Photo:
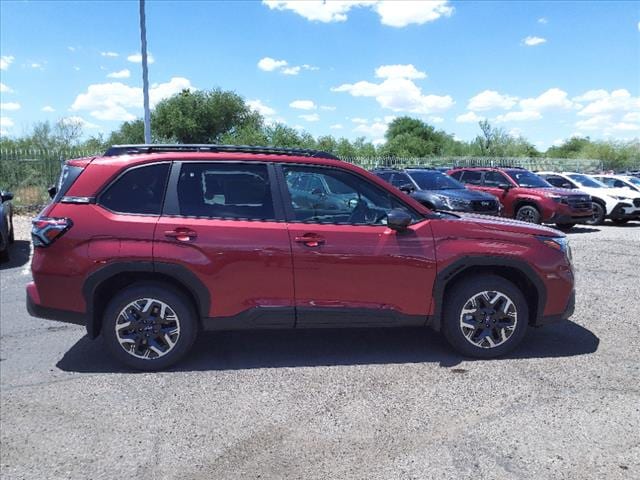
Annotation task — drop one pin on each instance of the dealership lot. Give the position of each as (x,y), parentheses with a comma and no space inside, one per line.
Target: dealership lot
(335,404)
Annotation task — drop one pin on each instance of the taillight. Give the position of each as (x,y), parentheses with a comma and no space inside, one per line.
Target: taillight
(47,230)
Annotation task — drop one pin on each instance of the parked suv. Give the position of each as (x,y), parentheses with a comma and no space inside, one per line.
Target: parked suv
(438,191)
(148,245)
(618,204)
(527,197)
(620,181)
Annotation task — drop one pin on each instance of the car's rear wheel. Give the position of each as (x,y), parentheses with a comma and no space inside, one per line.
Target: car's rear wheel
(12,237)
(565,227)
(528,213)
(597,217)
(149,326)
(485,316)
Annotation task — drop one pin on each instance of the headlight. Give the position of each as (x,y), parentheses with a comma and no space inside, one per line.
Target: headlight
(559,199)
(444,199)
(621,198)
(557,243)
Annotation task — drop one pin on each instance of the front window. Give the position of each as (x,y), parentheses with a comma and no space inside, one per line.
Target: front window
(527,179)
(435,181)
(495,179)
(349,199)
(585,181)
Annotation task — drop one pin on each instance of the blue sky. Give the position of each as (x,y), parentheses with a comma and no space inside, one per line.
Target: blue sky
(546,70)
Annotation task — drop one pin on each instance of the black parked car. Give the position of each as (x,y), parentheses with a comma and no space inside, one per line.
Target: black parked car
(6,224)
(439,191)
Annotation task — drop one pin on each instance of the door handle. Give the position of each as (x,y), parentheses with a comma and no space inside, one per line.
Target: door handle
(310,240)
(181,234)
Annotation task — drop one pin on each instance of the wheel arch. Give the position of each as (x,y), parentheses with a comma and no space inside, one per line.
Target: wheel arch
(104,282)
(526,201)
(516,271)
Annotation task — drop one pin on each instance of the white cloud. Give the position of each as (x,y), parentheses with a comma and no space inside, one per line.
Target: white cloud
(36,65)
(373,130)
(597,122)
(557,142)
(543,20)
(434,119)
(48,109)
(112,101)
(5,61)
(311,117)
(109,54)
(605,123)
(396,13)
(328,108)
(632,117)
(261,108)
(399,71)
(71,49)
(6,122)
(78,120)
(291,70)
(489,100)
(469,117)
(533,41)
(303,105)
(5,88)
(515,132)
(269,64)
(137,58)
(10,106)
(554,98)
(77,69)
(523,116)
(399,94)
(306,66)
(601,101)
(359,120)
(120,74)
(336,126)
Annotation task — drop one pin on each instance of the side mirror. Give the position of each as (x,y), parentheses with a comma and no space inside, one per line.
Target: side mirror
(406,188)
(398,220)
(567,185)
(52,191)
(6,196)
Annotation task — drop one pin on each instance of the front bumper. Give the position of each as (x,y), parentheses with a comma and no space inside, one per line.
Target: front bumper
(568,311)
(561,218)
(624,211)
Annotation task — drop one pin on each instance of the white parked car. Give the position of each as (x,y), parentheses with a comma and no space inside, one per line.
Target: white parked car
(620,181)
(618,204)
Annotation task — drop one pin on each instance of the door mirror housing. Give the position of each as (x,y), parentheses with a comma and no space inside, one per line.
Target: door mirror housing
(398,220)
(6,196)
(406,188)
(505,187)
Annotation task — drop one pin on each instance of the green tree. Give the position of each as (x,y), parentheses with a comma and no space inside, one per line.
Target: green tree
(202,116)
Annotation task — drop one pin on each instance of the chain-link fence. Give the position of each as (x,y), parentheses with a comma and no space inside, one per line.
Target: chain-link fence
(29,173)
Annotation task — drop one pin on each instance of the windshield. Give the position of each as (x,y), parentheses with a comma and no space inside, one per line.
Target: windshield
(435,181)
(634,180)
(585,181)
(528,180)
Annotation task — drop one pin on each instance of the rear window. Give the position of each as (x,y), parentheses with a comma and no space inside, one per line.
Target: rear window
(226,191)
(68,175)
(138,191)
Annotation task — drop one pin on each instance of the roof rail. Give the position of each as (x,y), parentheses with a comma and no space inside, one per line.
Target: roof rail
(212,148)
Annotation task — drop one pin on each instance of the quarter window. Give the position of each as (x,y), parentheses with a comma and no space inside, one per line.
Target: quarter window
(225,190)
(344,199)
(139,191)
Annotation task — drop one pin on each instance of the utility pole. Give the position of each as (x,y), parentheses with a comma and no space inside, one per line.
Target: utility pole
(145,75)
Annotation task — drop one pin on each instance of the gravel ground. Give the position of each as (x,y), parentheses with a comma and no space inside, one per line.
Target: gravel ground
(335,404)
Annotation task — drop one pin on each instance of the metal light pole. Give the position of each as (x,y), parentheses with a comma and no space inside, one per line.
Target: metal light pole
(145,75)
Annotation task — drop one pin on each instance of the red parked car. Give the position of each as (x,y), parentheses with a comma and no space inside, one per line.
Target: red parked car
(528,197)
(147,245)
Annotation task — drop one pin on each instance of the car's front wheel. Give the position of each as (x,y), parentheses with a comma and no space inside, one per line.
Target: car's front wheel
(598,215)
(528,213)
(149,326)
(485,316)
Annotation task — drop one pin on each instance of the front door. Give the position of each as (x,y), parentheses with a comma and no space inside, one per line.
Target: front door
(497,184)
(349,267)
(221,224)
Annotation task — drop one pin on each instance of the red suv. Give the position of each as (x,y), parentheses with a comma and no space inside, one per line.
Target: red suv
(528,197)
(148,245)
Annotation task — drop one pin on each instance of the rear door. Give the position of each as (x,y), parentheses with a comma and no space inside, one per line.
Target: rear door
(349,268)
(222,222)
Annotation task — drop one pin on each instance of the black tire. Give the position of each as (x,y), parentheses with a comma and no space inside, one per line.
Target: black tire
(528,213)
(565,227)
(598,216)
(161,293)
(4,255)
(619,221)
(12,237)
(452,319)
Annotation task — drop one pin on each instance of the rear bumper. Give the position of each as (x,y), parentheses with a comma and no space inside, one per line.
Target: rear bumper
(568,311)
(36,310)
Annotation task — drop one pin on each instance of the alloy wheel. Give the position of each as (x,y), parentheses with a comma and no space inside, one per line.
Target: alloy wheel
(488,319)
(147,328)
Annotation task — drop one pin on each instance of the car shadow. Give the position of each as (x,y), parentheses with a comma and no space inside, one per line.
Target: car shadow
(241,350)
(19,254)
(583,230)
